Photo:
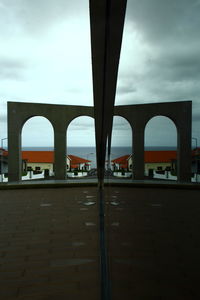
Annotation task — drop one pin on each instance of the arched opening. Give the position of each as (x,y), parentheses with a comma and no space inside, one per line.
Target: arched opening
(37,149)
(121,148)
(81,149)
(160,159)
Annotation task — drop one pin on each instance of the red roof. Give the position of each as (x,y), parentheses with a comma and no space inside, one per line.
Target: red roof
(5,153)
(149,157)
(159,156)
(38,156)
(76,161)
(196,151)
(122,161)
(48,157)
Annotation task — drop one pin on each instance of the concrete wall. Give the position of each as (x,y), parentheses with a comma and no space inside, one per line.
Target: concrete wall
(156,165)
(139,115)
(59,116)
(42,166)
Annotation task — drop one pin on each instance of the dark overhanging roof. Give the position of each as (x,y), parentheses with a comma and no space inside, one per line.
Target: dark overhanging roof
(107,23)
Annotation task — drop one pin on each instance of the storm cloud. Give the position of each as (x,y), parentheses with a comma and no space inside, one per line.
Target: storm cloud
(161,48)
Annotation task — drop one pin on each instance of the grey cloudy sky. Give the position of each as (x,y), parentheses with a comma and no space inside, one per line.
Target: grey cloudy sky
(45,57)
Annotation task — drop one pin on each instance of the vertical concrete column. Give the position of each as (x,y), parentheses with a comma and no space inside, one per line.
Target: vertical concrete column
(138,151)
(184,129)
(14,151)
(184,154)
(60,152)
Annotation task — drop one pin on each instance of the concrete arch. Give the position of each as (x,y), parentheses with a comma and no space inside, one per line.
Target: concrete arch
(33,116)
(170,119)
(126,135)
(161,131)
(78,117)
(137,115)
(81,133)
(124,117)
(32,122)
(59,116)
(170,127)
(179,112)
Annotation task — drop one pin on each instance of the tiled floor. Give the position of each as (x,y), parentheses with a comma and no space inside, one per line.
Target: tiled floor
(49,243)
(154,243)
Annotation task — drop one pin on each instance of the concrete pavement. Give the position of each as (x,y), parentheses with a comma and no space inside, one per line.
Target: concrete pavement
(49,243)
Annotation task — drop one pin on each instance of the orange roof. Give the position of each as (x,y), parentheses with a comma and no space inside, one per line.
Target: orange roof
(196,151)
(76,161)
(48,157)
(122,161)
(159,156)
(149,157)
(38,156)
(5,153)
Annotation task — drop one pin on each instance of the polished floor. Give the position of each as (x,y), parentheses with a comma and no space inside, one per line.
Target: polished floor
(49,243)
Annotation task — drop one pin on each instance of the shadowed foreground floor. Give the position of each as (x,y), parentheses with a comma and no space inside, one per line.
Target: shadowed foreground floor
(154,243)
(49,243)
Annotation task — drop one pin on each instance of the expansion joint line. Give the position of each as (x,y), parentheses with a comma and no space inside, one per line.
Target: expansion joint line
(105,278)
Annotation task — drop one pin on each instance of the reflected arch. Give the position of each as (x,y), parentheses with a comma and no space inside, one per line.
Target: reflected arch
(160,135)
(39,126)
(180,113)
(121,142)
(158,125)
(80,140)
(60,117)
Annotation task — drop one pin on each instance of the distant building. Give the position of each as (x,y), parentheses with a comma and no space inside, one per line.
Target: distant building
(121,163)
(79,163)
(160,160)
(41,160)
(196,161)
(3,161)
(155,160)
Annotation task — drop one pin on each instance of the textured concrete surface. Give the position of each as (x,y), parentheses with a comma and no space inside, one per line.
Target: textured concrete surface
(153,243)
(59,116)
(180,113)
(49,243)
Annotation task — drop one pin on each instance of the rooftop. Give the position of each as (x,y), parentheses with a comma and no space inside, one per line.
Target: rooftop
(47,157)
(150,156)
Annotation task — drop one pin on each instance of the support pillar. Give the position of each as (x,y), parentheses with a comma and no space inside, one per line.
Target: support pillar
(60,154)
(14,152)
(138,153)
(184,156)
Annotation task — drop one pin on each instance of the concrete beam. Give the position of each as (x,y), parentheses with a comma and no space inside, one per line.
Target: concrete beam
(106,22)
